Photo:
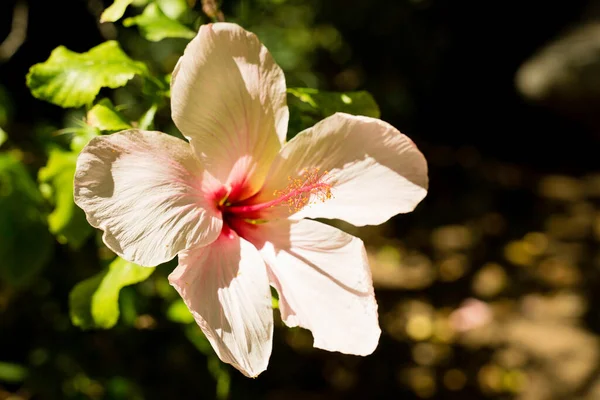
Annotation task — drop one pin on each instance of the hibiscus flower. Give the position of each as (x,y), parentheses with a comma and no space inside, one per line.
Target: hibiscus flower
(231,202)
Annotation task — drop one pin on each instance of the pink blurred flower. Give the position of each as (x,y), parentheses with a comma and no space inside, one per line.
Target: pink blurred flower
(471,314)
(231,202)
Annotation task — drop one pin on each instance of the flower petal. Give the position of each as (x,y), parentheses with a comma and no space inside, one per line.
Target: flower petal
(144,190)
(324,282)
(225,286)
(373,170)
(228,97)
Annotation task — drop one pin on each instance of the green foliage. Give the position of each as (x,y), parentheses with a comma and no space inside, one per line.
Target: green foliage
(6,107)
(105,117)
(67,221)
(25,243)
(155,25)
(81,135)
(115,11)
(12,373)
(6,110)
(120,388)
(274,298)
(157,89)
(174,9)
(94,302)
(70,79)
(217,369)
(147,120)
(309,106)
(293,31)
(178,312)
(328,103)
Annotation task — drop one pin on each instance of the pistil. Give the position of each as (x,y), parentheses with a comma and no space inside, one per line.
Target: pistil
(296,195)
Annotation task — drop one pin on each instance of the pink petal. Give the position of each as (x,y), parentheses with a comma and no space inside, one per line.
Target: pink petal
(324,283)
(374,171)
(225,286)
(228,97)
(143,189)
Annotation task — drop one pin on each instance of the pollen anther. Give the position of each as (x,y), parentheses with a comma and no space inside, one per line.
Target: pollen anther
(311,185)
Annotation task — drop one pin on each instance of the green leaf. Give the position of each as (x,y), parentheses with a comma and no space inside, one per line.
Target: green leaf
(173,8)
(3,136)
(221,374)
(178,312)
(328,103)
(147,120)
(216,367)
(105,117)
(115,11)
(94,302)
(80,301)
(70,79)
(67,221)
(154,25)
(12,373)
(198,339)
(81,136)
(274,298)
(157,89)
(25,243)
(309,106)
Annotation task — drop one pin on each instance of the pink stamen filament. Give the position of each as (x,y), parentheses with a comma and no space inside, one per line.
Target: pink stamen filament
(319,187)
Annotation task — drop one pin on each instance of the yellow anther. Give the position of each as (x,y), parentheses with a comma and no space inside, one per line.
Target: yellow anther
(310,185)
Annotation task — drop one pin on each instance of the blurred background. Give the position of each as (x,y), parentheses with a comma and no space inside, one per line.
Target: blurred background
(490,289)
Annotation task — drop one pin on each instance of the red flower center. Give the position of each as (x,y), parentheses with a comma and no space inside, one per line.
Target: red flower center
(309,187)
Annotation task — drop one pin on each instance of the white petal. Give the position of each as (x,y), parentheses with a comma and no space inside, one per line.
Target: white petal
(228,97)
(374,171)
(324,283)
(144,190)
(225,286)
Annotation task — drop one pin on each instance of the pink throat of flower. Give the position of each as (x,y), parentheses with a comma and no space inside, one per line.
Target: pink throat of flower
(310,185)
